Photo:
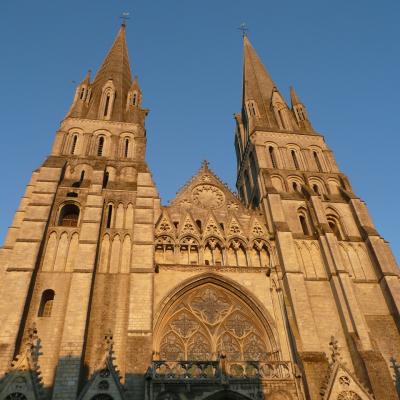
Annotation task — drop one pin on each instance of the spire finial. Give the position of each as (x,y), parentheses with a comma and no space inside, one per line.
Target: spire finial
(204,165)
(124,17)
(244,29)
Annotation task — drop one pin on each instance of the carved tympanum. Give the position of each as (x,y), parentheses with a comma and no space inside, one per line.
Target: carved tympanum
(208,196)
(210,321)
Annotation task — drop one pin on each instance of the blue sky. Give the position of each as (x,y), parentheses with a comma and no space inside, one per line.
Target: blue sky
(343,57)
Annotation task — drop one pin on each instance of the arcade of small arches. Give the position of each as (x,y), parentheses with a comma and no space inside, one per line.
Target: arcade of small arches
(99,144)
(235,252)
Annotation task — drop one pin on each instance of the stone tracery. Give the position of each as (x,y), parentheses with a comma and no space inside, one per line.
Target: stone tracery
(210,321)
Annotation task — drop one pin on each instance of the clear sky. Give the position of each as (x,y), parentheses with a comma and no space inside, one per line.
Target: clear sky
(343,57)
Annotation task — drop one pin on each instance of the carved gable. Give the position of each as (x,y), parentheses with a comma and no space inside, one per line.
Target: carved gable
(165,226)
(23,380)
(105,382)
(257,228)
(188,226)
(212,228)
(234,228)
(343,385)
(205,191)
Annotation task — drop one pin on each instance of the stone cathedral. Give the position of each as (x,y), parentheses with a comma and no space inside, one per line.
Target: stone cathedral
(285,291)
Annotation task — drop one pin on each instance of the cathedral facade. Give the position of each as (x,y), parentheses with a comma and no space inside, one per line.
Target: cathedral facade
(285,291)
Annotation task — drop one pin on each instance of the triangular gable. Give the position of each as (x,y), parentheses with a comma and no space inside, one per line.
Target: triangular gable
(164,225)
(212,228)
(106,379)
(24,375)
(188,226)
(205,190)
(257,229)
(343,385)
(340,383)
(234,228)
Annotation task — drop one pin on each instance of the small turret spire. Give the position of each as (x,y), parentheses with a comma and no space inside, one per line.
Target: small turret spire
(293,97)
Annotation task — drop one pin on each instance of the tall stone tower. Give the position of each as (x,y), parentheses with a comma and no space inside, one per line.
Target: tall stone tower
(339,275)
(286,293)
(76,260)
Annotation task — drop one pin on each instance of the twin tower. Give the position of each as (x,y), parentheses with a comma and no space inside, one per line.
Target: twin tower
(286,292)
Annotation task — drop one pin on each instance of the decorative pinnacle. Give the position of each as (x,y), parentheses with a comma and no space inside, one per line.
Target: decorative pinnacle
(244,29)
(204,165)
(335,353)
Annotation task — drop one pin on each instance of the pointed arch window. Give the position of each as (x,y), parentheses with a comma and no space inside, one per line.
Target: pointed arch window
(164,250)
(46,303)
(82,96)
(69,215)
(126,147)
(100,146)
(260,254)
(134,98)
(107,104)
(109,216)
(73,145)
(253,168)
(189,251)
(303,219)
(317,161)
(334,224)
(236,254)
(272,157)
(295,160)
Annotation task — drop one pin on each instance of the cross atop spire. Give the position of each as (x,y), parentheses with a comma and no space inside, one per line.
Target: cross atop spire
(124,17)
(244,29)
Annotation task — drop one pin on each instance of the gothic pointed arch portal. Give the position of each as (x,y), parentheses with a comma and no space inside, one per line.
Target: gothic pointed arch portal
(208,320)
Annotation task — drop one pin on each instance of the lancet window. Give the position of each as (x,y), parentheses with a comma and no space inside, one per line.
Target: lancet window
(73,144)
(46,303)
(164,250)
(100,146)
(317,161)
(272,157)
(334,224)
(295,160)
(208,321)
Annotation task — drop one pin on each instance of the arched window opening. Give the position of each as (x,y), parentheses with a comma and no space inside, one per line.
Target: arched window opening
(46,303)
(334,225)
(213,253)
(69,215)
(304,226)
(126,147)
(105,179)
(107,105)
(272,157)
(316,189)
(295,161)
(109,216)
(237,254)
(79,183)
(247,183)
(164,250)
(253,168)
(295,186)
(282,119)
(317,161)
(189,251)
(134,99)
(100,146)
(82,93)
(260,254)
(73,146)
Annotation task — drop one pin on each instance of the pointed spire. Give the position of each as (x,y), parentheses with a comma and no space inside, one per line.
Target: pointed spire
(115,69)
(293,97)
(258,85)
